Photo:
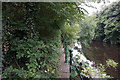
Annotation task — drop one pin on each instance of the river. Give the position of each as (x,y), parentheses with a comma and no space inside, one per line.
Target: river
(99,52)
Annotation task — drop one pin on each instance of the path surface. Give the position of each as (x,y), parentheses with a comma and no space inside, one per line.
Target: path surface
(63,68)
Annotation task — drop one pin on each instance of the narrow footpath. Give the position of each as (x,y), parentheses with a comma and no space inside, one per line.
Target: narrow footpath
(63,68)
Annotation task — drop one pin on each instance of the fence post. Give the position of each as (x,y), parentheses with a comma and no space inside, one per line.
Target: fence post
(70,61)
(65,49)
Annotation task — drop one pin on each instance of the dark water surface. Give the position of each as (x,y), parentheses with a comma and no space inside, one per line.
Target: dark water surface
(99,52)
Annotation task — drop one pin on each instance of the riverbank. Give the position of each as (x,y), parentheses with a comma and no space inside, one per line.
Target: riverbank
(90,68)
(99,52)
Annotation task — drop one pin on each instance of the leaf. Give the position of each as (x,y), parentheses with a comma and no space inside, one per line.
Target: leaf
(83,63)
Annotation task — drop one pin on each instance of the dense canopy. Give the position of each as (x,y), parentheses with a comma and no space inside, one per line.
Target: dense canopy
(31,37)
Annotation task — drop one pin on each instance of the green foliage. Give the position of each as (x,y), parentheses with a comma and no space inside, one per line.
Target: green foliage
(31,37)
(70,33)
(39,58)
(108,25)
(89,71)
(87,27)
(101,67)
(93,72)
(111,63)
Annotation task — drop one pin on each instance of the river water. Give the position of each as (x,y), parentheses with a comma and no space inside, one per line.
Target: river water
(99,52)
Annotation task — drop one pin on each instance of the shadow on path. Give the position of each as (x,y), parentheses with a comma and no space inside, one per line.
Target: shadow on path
(63,68)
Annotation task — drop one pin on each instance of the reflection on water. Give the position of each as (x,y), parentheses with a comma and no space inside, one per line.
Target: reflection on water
(99,52)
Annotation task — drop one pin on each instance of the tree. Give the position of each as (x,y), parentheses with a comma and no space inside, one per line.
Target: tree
(87,30)
(108,25)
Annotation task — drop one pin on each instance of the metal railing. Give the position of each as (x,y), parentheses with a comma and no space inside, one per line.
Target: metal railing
(71,59)
(71,56)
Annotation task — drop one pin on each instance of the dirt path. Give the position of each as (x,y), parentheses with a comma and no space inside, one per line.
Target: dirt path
(63,68)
